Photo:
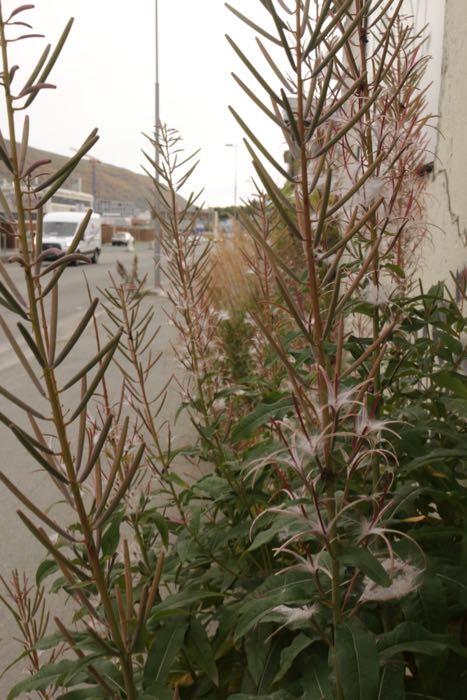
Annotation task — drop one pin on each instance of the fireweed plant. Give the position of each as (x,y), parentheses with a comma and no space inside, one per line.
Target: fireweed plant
(89,451)
(313,469)
(322,551)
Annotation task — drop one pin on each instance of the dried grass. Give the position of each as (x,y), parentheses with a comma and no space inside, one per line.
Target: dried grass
(234,285)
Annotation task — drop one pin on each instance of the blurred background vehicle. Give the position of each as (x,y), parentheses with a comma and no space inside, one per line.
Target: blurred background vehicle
(60,229)
(123,238)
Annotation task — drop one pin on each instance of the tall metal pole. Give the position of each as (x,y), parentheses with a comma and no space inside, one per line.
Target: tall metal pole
(157,227)
(235,147)
(94,180)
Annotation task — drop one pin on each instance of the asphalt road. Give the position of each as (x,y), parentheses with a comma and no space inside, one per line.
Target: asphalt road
(17,547)
(73,293)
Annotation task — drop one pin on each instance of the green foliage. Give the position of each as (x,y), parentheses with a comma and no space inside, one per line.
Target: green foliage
(315,543)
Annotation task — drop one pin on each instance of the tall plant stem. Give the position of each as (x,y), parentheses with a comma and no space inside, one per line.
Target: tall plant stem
(375,268)
(50,380)
(318,335)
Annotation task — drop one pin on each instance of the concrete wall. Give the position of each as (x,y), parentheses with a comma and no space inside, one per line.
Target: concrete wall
(447,196)
(430,14)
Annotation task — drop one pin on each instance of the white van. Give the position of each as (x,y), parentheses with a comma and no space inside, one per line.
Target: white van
(60,229)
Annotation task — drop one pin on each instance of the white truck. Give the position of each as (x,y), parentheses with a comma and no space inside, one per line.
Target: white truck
(60,229)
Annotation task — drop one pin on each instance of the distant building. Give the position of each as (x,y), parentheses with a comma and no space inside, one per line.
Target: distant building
(116,208)
(62,200)
(70,200)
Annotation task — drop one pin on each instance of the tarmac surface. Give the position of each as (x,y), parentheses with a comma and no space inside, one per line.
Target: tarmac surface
(18,549)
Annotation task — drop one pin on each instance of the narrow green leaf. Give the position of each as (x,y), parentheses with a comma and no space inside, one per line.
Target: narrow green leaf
(21,404)
(181,603)
(347,126)
(97,449)
(96,381)
(453,381)
(341,101)
(12,303)
(58,179)
(95,693)
(40,459)
(34,509)
(70,163)
(158,691)
(162,526)
(166,646)
(424,647)
(286,83)
(277,197)
(21,356)
(5,159)
(51,62)
(254,98)
(392,683)
(292,121)
(6,207)
(38,445)
(37,69)
(111,345)
(253,26)
(281,28)
(363,560)
(316,682)
(337,46)
(436,456)
(412,637)
(65,261)
(331,317)
(280,589)
(323,210)
(290,653)
(260,416)
(270,252)
(45,569)
(24,145)
(32,345)
(111,536)
(323,18)
(50,674)
(264,84)
(12,286)
(123,488)
(41,537)
(259,145)
(357,661)
(200,650)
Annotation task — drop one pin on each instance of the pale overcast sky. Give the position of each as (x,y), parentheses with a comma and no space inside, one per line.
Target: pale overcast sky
(105,78)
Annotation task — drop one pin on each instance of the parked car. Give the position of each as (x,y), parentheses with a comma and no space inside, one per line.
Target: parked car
(123,238)
(60,229)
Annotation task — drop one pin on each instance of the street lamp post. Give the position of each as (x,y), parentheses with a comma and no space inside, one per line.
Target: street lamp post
(94,163)
(235,147)
(157,228)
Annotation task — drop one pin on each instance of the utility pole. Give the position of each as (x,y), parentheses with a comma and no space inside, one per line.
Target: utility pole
(235,147)
(94,163)
(157,226)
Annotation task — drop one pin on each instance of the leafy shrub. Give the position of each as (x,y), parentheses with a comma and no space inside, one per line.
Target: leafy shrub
(322,552)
